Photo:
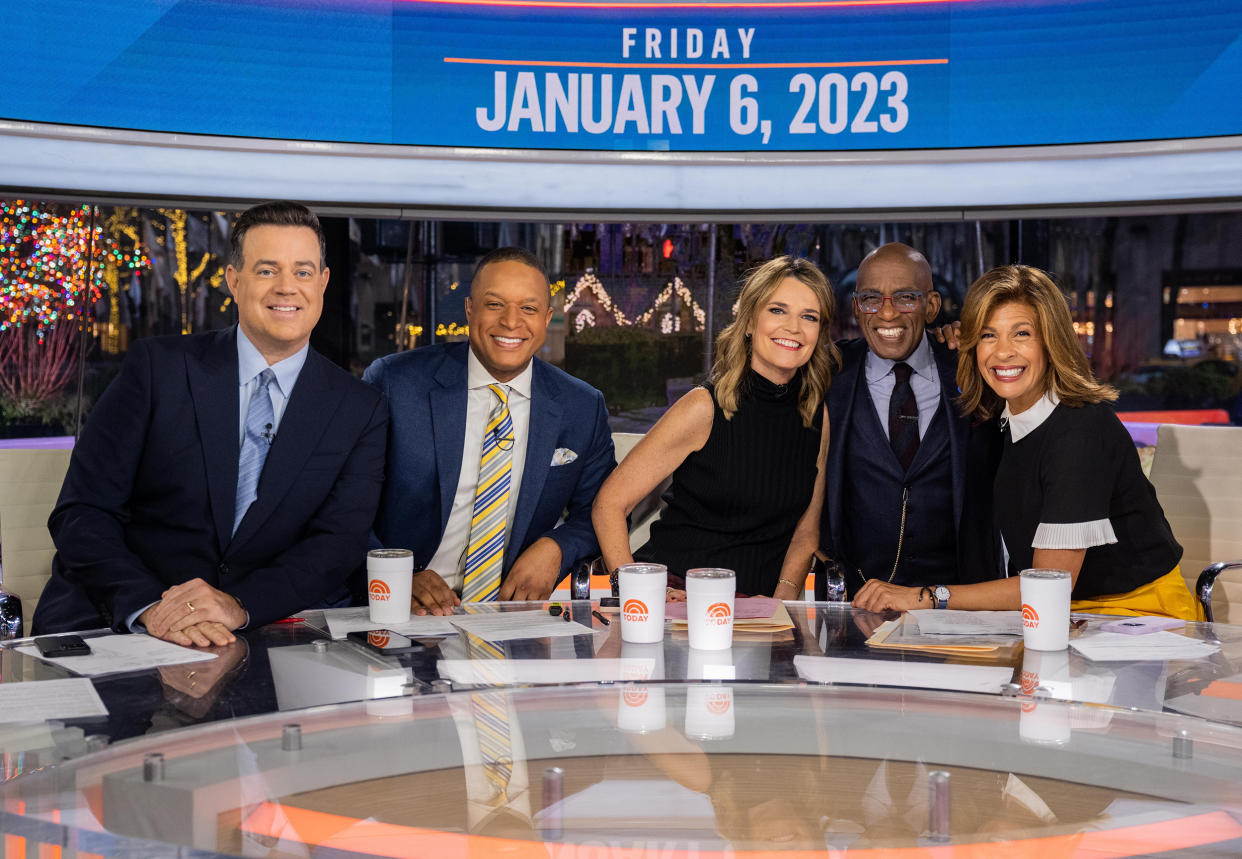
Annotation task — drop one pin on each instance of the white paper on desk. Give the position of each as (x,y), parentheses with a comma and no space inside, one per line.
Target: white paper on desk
(493,672)
(114,654)
(1119,647)
(37,700)
(342,621)
(509,625)
(918,675)
(955,622)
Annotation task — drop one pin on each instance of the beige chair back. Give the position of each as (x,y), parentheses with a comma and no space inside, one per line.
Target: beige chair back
(29,485)
(1197,472)
(647,510)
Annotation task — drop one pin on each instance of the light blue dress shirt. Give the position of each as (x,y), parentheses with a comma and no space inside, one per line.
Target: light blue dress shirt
(924,381)
(249,365)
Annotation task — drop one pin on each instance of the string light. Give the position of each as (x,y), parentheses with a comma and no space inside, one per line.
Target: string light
(589,283)
(44,260)
(679,289)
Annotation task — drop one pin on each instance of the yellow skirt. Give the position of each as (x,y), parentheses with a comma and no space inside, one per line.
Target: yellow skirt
(1167,596)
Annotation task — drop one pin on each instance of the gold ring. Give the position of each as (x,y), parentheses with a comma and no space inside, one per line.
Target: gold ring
(190,606)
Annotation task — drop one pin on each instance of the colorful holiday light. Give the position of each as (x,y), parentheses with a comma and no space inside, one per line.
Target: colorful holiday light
(45,263)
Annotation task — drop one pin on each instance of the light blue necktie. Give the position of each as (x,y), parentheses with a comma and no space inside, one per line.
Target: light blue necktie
(255,443)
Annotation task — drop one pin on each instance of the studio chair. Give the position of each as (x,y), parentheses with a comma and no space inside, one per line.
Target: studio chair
(1197,472)
(645,512)
(30,482)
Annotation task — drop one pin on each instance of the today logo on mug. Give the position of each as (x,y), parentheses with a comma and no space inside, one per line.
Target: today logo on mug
(379,590)
(719,614)
(635,696)
(1030,617)
(1030,681)
(635,610)
(719,703)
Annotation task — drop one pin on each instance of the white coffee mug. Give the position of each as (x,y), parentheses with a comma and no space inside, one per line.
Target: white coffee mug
(709,607)
(642,589)
(1045,608)
(709,712)
(390,580)
(640,708)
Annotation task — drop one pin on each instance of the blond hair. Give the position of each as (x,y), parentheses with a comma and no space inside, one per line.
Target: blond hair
(733,346)
(1069,374)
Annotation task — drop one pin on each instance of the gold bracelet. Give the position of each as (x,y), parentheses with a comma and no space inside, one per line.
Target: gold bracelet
(787,582)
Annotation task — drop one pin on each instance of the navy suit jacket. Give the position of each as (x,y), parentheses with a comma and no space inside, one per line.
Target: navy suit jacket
(972,452)
(149,496)
(426,390)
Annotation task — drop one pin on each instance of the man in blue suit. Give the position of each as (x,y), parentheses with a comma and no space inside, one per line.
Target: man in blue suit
(908,482)
(450,404)
(225,479)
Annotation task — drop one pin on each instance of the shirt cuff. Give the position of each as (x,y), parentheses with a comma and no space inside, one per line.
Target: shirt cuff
(1073,535)
(131,622)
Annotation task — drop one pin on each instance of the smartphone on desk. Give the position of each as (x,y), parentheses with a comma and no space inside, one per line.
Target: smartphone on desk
(385,641)
(56,646)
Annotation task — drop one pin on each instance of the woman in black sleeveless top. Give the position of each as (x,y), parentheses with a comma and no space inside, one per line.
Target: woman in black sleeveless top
(745,451)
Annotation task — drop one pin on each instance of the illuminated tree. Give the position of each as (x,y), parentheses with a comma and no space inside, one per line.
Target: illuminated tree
(50,266)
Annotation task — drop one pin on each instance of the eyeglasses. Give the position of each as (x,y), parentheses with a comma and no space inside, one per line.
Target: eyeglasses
(903,302)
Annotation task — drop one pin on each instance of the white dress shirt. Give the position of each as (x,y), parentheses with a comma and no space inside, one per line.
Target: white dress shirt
(450,557)
(924,381)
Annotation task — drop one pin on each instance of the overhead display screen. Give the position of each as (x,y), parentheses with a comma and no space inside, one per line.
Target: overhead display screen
(543,74)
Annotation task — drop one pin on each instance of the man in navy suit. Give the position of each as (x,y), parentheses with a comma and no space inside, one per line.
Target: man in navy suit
(907,478)
(225,479)
(442,397)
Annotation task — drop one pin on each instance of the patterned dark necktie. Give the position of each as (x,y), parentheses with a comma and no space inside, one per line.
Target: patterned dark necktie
(903,417)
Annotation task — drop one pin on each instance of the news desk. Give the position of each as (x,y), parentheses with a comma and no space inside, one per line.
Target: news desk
(294,745)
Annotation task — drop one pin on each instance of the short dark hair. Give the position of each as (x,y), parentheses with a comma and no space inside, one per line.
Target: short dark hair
(510,254)
(278,213)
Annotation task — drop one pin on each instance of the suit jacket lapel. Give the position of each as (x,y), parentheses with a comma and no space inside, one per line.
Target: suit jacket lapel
(946,364)
(212,378)
(307,414)
(545,425)
(841,396)
(447,407)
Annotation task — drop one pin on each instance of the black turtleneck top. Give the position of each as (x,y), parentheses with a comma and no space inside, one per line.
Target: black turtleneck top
(735,502)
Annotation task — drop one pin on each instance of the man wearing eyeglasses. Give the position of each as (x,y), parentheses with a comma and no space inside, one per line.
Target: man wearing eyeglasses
(897,464)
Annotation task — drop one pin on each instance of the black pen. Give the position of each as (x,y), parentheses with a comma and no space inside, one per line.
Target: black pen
(601,618)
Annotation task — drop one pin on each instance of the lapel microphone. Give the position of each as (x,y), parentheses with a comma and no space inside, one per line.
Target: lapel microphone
(268,435)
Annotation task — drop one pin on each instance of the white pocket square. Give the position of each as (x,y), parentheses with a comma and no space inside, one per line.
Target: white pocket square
(563,456)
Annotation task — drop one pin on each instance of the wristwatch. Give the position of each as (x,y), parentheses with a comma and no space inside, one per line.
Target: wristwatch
(940,594)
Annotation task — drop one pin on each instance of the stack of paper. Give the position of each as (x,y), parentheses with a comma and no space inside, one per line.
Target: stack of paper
(508,671)
(905,634)
(955,622)
(342,621)
(1119,647)
(918,675)
(750,615)
(115,654)
(35,701)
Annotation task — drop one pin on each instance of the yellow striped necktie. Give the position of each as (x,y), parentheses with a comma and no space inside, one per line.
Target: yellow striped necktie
(490,711)
(489,521)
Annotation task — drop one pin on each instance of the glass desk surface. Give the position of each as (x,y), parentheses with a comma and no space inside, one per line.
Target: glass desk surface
(675,753)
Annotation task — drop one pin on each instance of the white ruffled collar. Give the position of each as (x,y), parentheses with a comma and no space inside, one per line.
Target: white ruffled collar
(1027,422)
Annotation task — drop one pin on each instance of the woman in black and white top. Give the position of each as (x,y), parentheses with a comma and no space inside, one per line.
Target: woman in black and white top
(1069,492)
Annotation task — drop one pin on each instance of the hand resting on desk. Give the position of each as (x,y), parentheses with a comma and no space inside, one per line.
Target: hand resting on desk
(194,614)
